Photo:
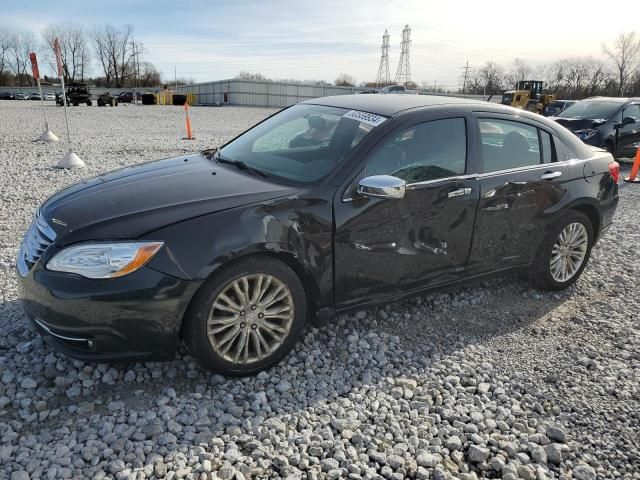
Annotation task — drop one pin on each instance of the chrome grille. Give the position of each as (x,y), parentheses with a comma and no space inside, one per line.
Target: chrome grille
(38,237)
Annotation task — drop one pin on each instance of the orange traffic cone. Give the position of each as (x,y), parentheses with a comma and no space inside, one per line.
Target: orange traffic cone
(634,169)
(186,110)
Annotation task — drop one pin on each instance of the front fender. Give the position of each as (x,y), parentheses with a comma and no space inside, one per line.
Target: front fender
(297,230)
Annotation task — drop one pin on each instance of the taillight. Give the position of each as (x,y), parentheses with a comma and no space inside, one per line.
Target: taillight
(614,170)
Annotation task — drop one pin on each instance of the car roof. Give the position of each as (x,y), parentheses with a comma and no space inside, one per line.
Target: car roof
(610,99)
(390,104)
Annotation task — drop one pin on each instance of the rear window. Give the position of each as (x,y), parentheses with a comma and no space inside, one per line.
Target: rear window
(507,144)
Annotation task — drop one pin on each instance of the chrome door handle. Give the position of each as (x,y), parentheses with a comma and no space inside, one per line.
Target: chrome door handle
(550,175)
(459,192)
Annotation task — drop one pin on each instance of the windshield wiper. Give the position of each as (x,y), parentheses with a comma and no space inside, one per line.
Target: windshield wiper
(239,164)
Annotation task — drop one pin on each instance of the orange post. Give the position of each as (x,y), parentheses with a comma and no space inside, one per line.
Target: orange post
(634,169)
(186,110)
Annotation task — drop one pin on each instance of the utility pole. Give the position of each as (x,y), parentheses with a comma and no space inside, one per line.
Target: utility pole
(135,73)
(466,73)
(403,74)
(384,77)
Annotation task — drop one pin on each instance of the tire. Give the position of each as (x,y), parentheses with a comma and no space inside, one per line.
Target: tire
(209,350)
(542,273)
(100,104)
(89,103)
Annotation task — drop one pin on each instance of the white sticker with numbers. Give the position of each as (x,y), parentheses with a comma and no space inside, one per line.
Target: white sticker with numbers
(365,117)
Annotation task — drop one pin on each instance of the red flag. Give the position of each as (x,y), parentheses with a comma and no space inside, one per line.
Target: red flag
(34,65)
(56,48)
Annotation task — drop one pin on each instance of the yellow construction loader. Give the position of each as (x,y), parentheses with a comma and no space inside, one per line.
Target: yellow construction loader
(528,96)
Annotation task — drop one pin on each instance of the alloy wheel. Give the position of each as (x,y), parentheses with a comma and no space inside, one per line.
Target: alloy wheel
(569,251)
(250,318)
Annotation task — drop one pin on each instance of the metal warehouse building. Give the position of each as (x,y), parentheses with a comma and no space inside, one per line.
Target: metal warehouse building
(259,93)
(274,94)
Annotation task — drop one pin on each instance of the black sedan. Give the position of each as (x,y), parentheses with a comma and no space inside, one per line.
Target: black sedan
(235,250)
(607,122)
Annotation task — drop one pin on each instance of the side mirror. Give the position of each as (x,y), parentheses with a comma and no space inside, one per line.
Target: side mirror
(628,121)
(382,186)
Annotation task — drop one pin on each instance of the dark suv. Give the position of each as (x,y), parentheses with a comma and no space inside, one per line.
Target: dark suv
(607,122)
(236,249)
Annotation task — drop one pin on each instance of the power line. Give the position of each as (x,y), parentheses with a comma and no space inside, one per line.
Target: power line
(403,74)
(384,77)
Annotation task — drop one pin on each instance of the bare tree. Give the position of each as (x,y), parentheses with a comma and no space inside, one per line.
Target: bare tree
(5,44)
(345,80)
(74,49)
(625,54)
(518,70)
(113,48)
(252,76)
(20,44)
(492,77)
(148,75)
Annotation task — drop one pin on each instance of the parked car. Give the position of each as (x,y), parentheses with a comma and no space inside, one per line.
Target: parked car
(76,94)
(369,90)
(22,96)
(398,89)
(49,96)
(607,122)
(35,96)
(235,249)
(127,97)
(107,99)
(7,96)
(556,107)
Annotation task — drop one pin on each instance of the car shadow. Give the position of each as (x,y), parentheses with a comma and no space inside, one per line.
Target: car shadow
(408,339)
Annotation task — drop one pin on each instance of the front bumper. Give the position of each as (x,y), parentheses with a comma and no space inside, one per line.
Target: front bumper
(135,317)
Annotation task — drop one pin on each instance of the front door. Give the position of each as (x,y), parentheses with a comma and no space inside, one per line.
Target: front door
(385,247)
(629,135)
(522,184)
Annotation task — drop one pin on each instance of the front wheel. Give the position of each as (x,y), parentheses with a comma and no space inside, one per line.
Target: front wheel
(564,252)
(247,318)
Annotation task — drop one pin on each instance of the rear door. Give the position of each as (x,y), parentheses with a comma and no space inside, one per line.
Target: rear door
(522,184)
(385,247)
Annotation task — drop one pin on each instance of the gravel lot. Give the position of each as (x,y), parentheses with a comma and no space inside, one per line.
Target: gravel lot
(491,380)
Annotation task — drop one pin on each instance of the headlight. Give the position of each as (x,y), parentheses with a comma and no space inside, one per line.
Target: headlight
(586,134)
(104,260)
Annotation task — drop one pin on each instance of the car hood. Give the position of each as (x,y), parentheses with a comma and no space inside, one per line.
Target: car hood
(575,124)
(130,202)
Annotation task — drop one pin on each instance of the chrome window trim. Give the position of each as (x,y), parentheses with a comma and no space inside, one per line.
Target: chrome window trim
(527,167)
(460,178)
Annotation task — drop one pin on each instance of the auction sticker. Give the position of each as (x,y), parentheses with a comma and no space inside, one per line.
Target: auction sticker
(364,117)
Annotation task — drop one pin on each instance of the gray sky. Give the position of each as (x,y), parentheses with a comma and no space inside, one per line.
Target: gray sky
(207,40)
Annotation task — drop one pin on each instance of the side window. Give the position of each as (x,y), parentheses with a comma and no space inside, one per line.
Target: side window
(631,111)
(427,151)
(563,152)
(508,144)
(547,149)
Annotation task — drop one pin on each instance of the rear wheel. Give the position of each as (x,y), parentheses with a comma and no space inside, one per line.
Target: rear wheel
(247,318)
(564,252)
